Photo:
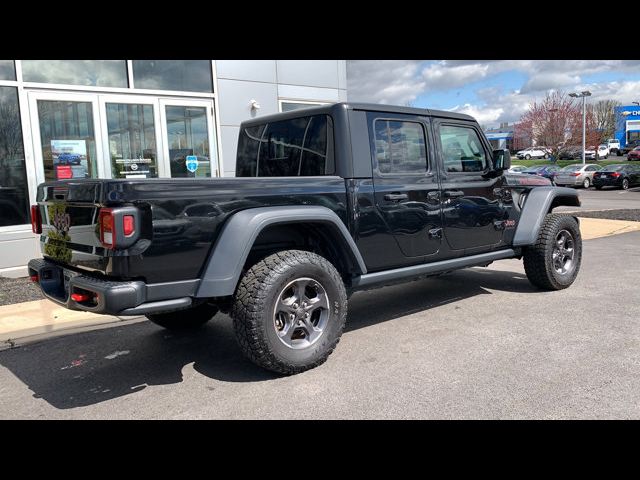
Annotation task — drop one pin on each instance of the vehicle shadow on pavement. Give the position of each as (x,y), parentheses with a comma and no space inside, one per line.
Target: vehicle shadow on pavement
(380,305)
(91,367)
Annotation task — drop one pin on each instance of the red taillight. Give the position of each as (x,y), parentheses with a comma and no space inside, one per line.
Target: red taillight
(81,297)
(36,219)
(128,225)
(34,278)
(107,233)
(615,174)
(575,174)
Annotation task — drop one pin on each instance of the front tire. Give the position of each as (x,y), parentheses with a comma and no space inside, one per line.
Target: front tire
(527,157)
(182,320)
(553,262)
(289,311)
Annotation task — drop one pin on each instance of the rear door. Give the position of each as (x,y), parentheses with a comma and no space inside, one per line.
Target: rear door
(472,209)
(406,184)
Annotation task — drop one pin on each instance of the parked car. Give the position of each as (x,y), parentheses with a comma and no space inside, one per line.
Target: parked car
(68,159)
(570,152)
(614,146)
(282,245)
(630,146)
(623,176)
(590,152)
(517,169)
(576,175)
(533,152)
(546,171)
(634,154)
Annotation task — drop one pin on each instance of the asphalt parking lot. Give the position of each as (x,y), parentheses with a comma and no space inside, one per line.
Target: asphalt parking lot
(478,343)
(606,199)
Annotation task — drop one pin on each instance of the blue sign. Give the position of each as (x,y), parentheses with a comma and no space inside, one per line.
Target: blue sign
(192,163)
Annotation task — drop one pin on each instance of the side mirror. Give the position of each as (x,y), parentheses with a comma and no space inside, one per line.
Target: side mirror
(501,159)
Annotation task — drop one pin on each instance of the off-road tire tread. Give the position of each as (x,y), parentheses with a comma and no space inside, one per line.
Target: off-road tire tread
(538,269)
(250,301)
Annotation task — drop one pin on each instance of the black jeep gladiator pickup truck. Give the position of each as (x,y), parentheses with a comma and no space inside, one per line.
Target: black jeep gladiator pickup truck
(326,201)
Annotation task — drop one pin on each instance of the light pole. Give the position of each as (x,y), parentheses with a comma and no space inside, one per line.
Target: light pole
(584,96)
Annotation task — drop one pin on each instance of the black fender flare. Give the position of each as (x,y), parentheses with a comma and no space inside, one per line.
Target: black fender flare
(229,254)
(539,201)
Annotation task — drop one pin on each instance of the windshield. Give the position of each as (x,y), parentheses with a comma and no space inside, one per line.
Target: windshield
(572,168)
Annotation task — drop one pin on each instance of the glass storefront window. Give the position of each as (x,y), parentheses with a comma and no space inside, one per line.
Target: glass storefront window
(180,75)
(97,73)
(14,193)
(188,136)
(132,140)
(68,139)
(7,70)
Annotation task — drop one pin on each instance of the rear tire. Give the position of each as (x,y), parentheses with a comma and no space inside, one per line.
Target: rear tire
(586,183)
(553,262)
(625,184)
(289,311)
(182,320)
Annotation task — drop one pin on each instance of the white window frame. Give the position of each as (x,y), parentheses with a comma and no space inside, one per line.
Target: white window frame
(213,143)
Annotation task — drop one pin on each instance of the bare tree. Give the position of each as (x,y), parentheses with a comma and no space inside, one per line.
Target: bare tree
(604,119)
(552,121)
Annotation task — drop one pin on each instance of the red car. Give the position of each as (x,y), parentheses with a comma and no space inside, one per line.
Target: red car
(634,154)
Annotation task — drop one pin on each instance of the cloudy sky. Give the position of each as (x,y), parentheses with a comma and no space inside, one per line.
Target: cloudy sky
(493,91)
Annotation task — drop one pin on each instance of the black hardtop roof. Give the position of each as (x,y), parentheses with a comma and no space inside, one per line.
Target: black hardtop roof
(374,107)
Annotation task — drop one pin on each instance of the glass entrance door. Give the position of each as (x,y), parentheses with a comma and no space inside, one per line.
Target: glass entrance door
(66,136)
(130,127)
(189,143)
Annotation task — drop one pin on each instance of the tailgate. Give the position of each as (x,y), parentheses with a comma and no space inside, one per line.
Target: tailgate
(69,213)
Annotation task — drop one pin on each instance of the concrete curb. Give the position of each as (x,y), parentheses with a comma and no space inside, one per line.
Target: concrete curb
(20,341)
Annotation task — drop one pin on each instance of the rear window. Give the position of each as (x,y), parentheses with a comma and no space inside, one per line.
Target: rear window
(301,146)
(572,168)
(612,168)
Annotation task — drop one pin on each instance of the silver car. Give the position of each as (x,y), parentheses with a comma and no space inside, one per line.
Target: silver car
(576,175)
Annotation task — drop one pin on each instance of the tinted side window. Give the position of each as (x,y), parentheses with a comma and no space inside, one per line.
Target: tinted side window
(248,149)
(462,149)
(297,147)
(400,147)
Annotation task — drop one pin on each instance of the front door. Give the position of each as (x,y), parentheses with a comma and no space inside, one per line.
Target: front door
(189,139)
(472,210)
(130,125)
(406,186)
(66,136)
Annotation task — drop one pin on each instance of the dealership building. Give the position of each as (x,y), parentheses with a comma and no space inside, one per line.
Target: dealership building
(63,119)
(627,124)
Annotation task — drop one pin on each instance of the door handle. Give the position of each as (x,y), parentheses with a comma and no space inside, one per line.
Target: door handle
(396,197)
(453,193)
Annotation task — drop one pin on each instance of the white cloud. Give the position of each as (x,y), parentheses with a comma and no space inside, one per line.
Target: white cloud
(399,82)
(438,76)
(384,81)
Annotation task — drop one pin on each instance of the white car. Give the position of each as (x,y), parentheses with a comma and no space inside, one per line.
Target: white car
(533,152)
(590,152)
(614,146)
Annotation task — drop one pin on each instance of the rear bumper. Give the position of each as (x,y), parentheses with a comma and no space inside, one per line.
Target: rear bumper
(607,182)
(107,296)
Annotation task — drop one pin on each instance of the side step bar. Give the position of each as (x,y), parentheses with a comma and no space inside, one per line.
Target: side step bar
(398,274)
